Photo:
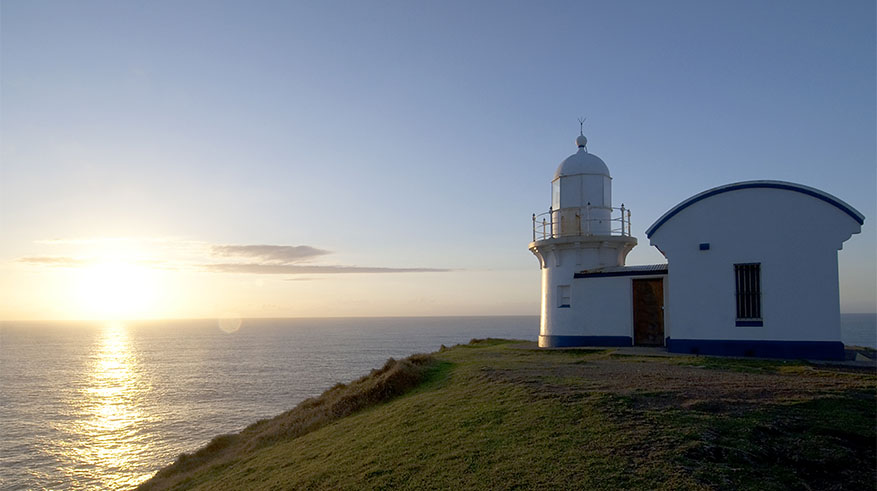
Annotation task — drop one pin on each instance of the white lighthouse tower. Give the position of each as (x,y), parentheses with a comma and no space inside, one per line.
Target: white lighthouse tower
(581,231)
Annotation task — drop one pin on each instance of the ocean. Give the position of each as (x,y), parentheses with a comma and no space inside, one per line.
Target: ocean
(105,405)
(90,405)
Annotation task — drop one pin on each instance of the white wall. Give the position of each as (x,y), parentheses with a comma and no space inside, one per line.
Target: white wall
(794,236)
(561,263)
(601,306)
(560,259)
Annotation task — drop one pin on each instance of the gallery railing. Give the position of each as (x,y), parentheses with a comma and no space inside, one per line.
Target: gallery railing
(582,221)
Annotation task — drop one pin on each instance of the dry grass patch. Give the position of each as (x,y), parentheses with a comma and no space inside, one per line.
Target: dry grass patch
(395,378)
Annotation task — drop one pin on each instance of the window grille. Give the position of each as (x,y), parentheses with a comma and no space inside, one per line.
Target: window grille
(748,279)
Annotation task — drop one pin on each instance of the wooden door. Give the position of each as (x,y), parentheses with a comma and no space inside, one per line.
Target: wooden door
(648,312)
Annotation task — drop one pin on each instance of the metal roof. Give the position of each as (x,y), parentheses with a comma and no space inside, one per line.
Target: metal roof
(641,270)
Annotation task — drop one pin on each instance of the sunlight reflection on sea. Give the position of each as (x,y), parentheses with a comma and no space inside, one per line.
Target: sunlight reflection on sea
(108,416)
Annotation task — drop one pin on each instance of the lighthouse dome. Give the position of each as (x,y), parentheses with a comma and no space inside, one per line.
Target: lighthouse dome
(582,162)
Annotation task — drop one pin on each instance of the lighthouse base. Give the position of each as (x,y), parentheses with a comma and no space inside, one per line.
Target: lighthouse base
(575,341)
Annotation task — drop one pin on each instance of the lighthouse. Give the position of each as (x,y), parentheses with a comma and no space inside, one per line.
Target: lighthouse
(749,276)
(581,231)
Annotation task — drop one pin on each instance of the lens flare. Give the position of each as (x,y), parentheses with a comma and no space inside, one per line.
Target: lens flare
(230,323)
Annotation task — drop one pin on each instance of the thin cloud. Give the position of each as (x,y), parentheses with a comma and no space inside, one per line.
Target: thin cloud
(159,264)
(105,240)
(262,268)
(54,261)
(182,254)
(276,254)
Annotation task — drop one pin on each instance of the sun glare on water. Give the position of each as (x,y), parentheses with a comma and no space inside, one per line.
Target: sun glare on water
(105,446)
(117,289)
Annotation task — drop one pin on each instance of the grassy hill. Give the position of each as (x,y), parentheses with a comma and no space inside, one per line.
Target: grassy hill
(498,414)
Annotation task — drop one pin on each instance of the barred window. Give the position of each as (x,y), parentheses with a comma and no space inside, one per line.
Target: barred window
(748,278)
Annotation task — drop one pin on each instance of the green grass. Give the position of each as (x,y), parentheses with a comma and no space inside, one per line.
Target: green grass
(495,415)
(742,365)
(825,443)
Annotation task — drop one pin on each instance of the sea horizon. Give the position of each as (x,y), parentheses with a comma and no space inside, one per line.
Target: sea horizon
(207,318)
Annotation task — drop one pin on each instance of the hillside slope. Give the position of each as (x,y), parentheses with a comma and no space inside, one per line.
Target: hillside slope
(498,414)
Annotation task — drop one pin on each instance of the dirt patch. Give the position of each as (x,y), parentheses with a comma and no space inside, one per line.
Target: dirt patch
(658,382)
(727,423)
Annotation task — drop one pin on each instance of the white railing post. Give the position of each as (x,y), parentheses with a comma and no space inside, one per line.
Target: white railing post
(589,218)
(551,220)
(622,218)
(628,223)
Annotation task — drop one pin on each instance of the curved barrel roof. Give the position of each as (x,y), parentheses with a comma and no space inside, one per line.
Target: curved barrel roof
(789,186)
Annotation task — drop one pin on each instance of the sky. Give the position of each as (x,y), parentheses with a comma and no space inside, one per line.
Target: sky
(271,159)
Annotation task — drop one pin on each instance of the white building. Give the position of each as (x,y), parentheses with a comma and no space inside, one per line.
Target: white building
(752,268)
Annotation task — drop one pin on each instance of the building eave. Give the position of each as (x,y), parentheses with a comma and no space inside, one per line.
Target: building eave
(645,270)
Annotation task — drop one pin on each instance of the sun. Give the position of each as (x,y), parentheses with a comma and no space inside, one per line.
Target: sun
(117,289)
